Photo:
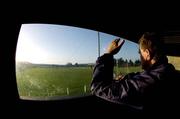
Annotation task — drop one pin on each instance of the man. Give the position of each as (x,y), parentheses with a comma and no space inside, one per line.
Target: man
(137,90)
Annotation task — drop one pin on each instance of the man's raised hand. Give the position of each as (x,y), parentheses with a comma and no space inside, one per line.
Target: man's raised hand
(115,46)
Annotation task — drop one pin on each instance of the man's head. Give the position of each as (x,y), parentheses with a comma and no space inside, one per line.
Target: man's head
(150,49)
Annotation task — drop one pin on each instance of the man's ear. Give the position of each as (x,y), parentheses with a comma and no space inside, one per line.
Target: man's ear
(148,56)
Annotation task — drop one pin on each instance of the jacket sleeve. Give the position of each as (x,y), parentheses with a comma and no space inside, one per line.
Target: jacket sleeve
(127,91)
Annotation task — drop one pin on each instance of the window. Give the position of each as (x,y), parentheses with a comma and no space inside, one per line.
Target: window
(175,61)
(56,61)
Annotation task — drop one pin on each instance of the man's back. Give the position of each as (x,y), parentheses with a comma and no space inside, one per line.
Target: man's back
(162,98)
(149,89)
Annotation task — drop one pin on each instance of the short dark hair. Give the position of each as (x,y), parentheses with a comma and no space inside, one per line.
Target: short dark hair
(152,41)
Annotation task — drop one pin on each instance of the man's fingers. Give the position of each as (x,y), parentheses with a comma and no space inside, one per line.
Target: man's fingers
(117,40)
(115,46)
(121,43)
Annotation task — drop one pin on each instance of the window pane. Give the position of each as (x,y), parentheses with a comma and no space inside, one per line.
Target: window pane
(175,60)
(125,61)
(54,61)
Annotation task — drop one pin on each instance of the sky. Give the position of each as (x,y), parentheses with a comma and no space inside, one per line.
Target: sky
(59,44)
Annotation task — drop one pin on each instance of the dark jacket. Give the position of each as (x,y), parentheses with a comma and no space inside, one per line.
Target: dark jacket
(135,89)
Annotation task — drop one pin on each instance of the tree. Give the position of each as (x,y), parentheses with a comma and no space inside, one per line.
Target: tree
(120,62)
(137,62)
(126,63)
(76,64)
(130,63)
(115,62)
(69,64)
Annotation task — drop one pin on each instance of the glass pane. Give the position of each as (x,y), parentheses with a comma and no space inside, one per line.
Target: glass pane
(127,60)
(54,61)
(175,60)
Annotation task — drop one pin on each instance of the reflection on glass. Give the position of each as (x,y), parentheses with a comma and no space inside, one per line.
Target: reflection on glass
(57,61)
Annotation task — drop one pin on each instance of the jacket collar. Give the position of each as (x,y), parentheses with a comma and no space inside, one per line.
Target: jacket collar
(161,61)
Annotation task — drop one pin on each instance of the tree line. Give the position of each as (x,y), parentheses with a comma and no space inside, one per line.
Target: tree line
(123,63)
(117,62)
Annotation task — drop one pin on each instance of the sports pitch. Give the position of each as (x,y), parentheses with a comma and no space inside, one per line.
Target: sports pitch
(50,81)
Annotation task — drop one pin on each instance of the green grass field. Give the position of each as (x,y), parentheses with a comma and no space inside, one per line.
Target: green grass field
(36,81)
